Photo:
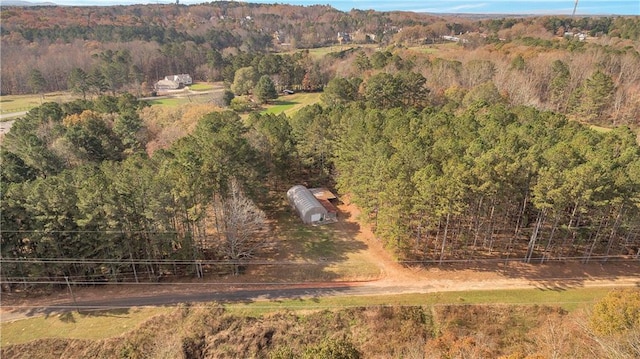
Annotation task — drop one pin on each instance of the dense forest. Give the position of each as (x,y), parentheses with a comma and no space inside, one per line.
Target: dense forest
(475,150)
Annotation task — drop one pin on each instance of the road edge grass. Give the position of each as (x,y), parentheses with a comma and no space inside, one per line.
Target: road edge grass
(568,299)
(99,325)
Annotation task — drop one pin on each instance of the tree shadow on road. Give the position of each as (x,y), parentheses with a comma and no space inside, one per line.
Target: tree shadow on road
(548,276)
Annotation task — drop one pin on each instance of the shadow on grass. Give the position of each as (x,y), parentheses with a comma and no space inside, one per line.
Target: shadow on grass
(114,313)
(284,103)
(67,317)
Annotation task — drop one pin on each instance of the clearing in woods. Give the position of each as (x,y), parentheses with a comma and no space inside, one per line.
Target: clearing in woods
(347,252)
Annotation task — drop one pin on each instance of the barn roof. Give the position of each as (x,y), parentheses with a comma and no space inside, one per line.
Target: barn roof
(323,193)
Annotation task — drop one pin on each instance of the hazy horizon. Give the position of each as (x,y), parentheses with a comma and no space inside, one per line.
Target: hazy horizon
(540,7)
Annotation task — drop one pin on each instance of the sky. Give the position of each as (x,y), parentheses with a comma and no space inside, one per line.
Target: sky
(545,7)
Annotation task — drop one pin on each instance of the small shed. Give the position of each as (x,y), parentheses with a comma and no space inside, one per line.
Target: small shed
(306,205)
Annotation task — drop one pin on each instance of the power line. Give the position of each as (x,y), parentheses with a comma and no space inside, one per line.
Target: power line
(323,261)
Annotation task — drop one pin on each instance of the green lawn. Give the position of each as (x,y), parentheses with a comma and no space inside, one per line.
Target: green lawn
(19,103)
(179,101)
(202,86)
(599,128)
(278,107)
(168,102)
(89,325)
(108,324)
(289,104)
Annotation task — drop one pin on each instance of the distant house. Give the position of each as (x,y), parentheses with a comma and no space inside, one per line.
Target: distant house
(454,39)
(580,36)
(344,37)
(174,82)
(182,79)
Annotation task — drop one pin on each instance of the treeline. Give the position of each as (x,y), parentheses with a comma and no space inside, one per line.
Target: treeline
(136,66)
(592,83)
(491,183)
(82,199)
(477,179)
(575,84)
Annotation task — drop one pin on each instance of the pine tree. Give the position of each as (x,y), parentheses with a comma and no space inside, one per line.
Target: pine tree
(597,92)
(265,90)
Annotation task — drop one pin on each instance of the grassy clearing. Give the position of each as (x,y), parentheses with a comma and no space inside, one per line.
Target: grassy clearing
(290,104)
(18,103)
(320,52)
(72,325)
(328,252)
(424,49)
(179,101)
(168,102)
(202,86)
(279,106)
(600,128)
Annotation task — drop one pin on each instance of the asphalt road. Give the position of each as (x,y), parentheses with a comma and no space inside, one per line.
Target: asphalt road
(5,126)
(171,294)
(205,293)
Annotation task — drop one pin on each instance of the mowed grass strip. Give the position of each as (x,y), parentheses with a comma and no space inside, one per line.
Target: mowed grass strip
(85,325)
(109,324)
(181,100)
(568,299)
(202,86)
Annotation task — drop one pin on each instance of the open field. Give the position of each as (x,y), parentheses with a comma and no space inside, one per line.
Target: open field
(18,103)
(289,104)
(182,99)
(320,52)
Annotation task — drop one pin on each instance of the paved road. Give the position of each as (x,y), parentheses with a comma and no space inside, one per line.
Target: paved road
(5,126)
(5,116)
(239,293)
(203,293)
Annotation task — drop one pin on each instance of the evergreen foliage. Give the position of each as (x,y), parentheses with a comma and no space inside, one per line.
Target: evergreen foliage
(80,186)
(265,90)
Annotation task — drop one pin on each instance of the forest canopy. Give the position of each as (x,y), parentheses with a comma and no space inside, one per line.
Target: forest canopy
(477,150)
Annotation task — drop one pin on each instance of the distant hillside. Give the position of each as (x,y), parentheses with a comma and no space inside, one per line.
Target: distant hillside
(26,3)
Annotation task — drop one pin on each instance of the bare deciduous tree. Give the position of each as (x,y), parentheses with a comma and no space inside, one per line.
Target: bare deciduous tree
(244,227)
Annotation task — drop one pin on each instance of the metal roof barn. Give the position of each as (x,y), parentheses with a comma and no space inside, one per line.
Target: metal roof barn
(306,205)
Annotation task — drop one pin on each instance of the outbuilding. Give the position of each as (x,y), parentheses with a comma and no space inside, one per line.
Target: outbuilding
(306,205)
